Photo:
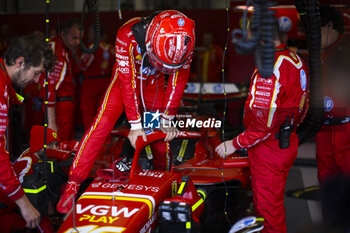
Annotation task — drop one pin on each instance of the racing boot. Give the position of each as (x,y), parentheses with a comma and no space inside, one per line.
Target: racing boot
(66,202)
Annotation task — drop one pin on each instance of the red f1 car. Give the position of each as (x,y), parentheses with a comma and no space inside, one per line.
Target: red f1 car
(203,192)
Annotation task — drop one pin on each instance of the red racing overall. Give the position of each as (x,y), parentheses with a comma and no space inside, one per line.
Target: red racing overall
(269,103)
(10,219)
(332,142)
(11,189)
(61,90)
(122,94)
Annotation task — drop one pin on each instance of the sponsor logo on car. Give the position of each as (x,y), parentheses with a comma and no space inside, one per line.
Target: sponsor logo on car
(103,210)
(94,229)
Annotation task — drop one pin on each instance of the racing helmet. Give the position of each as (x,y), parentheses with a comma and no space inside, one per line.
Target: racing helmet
(170,40)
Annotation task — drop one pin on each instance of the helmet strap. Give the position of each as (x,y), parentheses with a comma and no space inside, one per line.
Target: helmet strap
(139,30)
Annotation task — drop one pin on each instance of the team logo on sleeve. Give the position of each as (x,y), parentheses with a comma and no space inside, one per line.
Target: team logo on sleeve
(328,103)
(138,48)
(181,22)
(284,23)
(303,80)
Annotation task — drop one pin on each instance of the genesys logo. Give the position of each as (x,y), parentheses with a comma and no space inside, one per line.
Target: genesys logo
(152,120)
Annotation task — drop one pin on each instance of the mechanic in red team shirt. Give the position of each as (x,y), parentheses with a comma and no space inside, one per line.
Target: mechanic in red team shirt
(56,150)
(272,102)
(25,60)
(61,86)
(97,69)
(146,50)
(332,142)
(24,166)
(211,59)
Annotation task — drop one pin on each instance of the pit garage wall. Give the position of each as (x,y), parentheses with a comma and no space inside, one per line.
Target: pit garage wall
(239,67)
(213,21)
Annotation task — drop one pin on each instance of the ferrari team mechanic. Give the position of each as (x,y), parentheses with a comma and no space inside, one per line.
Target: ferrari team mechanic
(24,166)
(25,60)
(97,70)
(275,106)
(332,144)
(59,150)
(61,86)
(146,49)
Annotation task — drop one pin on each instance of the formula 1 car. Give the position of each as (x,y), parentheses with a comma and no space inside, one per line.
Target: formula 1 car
(201,193)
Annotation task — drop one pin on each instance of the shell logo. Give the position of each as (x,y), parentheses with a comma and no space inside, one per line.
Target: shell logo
(95,229)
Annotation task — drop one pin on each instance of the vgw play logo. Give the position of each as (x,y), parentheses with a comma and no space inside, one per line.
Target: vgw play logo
(152,120)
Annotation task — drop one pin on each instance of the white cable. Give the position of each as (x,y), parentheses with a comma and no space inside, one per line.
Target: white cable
(141,88)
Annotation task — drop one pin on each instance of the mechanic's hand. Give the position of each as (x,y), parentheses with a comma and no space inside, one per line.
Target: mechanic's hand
(134,134)
(171,132)
(29,213)
(230,149)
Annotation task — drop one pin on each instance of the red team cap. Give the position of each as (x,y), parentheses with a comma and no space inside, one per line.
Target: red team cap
(37,137)
(170,39)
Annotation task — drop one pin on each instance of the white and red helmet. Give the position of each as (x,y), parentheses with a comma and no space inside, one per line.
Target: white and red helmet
(170,40)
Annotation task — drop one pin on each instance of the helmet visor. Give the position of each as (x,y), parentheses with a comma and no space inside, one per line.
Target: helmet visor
(164,67)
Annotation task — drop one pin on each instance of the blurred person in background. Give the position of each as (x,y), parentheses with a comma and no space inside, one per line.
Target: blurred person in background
(210,60)
(60,81)
(332,142)
(97,70)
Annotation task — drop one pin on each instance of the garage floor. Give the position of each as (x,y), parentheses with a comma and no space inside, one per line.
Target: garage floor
(300,212)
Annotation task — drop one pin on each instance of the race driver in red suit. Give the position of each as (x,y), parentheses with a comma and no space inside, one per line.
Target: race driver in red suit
(23,63)
(97,70)
(146,49)
(61,86)
(272,102)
